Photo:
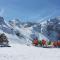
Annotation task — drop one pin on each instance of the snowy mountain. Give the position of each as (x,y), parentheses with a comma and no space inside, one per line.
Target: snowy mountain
(16,31)
(51,28)
(25,32)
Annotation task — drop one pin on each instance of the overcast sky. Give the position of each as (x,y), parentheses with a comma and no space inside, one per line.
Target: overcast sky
(29,10)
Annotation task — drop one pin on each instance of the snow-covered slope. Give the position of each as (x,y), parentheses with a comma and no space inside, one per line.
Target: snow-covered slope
(24,32)
(18,32)
(23,52)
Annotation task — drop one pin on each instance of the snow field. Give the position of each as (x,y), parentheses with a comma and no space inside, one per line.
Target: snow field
(23,52)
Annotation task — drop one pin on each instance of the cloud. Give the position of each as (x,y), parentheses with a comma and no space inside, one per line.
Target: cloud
(1,12)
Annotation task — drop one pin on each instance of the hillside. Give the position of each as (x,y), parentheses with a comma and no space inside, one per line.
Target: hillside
(25,32)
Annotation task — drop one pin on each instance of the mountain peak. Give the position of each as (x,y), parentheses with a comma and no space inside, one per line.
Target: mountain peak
(2,20)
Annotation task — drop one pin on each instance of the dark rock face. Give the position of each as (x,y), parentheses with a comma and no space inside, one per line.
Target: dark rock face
(3,40)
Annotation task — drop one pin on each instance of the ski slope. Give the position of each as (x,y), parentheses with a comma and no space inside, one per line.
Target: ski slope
(23,52)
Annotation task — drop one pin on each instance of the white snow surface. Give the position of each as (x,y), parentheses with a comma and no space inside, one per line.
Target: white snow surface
(23,52)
